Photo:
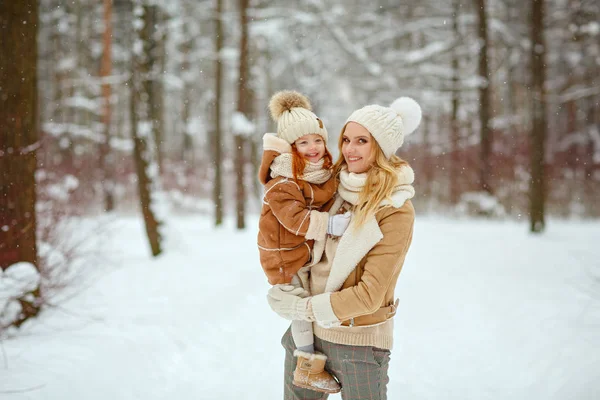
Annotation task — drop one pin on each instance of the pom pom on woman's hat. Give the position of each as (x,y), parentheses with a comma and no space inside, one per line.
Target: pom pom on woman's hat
(410,112)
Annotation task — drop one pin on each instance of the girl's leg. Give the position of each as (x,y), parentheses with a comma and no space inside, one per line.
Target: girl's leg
(291,391)
(302,331)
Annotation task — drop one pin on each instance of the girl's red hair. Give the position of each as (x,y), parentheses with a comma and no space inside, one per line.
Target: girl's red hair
(299,162)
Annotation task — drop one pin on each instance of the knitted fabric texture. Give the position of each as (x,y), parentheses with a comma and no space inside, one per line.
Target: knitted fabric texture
(292,112)
(351,184)
(313,172)
(297,122)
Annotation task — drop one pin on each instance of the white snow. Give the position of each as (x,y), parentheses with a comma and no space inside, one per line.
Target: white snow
(240,125)
(195,127)
(62,188)
(79,101)
(15,281)
(487,311)
(66,63)
(480,203)
(144,129)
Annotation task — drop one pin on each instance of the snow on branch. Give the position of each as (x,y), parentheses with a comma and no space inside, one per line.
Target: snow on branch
(240,125)
(576,93)
(428,52)
(259,15)
(74,130)
(347,45)
(506,33)
(85,103)
(413,27)
(17,281)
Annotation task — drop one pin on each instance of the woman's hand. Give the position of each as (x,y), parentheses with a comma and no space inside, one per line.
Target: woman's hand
(290,302)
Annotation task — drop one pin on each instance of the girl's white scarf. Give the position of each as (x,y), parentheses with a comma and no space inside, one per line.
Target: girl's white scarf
(313,172)
(351,184)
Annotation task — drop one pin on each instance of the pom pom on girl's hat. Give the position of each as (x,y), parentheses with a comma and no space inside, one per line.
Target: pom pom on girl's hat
(292,112)
(389,125)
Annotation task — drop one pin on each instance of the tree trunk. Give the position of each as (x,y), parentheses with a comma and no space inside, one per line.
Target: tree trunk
(455,168)
(427,164)
(187,143)
(156,55)
(217,188)
(106,164)
(242,108)
(18,139)
(538,131)
(67,90)
(265,119)
(141,127)
(514,190)
(591,187)
(484,99)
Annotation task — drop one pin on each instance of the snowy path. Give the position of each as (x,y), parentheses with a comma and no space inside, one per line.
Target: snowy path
(487,312)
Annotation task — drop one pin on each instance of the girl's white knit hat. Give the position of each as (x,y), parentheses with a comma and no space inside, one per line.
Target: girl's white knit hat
(292,112)
(389,125)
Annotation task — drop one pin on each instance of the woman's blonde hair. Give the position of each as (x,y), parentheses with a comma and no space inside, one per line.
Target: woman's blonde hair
(382,178)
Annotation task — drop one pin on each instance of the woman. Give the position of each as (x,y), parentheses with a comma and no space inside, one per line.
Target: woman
(353,277)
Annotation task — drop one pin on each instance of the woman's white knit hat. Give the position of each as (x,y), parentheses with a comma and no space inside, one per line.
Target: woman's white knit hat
(292,112)
(389,125)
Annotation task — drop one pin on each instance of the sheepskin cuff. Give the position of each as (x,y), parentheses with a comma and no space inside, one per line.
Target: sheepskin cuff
(310,356)
(272,142)
(323,312)
(317,227)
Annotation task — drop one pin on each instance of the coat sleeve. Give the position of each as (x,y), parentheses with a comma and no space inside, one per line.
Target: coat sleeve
(289,207)
(383,264)
(272,148)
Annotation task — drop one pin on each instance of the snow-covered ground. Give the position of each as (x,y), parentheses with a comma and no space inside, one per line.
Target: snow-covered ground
(487,312)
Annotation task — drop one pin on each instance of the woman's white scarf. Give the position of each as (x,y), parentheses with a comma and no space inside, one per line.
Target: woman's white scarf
(313,172)
(351,184)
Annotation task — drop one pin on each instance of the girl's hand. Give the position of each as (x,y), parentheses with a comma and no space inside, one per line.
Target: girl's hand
(338,223)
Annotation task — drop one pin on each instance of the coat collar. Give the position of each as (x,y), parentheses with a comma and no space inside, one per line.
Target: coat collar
(354,243)
(353,246)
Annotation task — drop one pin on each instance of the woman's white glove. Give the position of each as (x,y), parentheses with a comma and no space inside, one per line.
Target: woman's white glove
(338,223)
(290,302)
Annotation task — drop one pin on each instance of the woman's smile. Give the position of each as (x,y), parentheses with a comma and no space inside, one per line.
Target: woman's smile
(357,148)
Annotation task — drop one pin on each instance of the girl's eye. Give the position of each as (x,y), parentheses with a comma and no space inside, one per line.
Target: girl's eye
(362,141)
(345,140)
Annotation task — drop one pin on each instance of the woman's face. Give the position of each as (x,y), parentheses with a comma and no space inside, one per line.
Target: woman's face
(311,147)
(357,148)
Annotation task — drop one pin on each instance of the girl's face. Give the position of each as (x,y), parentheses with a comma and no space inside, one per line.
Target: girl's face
(311,147)
(357,148)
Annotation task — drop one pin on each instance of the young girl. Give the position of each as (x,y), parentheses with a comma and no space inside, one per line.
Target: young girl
(297,175)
